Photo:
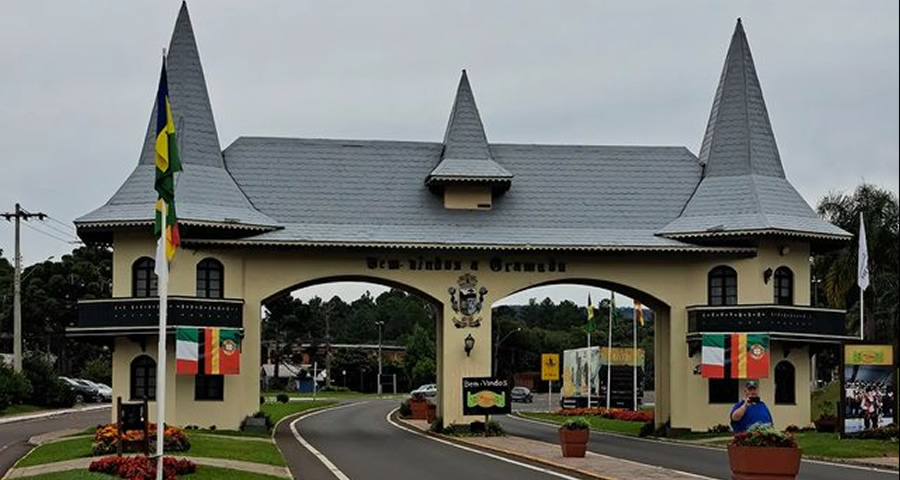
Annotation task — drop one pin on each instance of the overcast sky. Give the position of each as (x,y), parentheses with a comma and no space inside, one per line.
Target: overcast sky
(78,81)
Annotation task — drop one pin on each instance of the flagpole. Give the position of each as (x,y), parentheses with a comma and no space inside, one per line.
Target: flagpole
(634,357)
(590,372)
(612,302)
(163,288)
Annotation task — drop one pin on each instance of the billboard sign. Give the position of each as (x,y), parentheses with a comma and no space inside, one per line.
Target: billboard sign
(868,387)
(486,396)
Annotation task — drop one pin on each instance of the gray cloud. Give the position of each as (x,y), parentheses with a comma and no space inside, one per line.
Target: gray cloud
(79,77)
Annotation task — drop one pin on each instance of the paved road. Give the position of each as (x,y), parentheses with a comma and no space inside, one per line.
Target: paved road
(14,435)
(360,442)
(705,461)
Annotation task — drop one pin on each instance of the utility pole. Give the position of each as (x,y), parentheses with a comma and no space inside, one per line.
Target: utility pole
(380,324)
(17,284)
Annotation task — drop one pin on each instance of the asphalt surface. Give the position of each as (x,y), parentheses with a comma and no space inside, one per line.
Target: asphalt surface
(706,461)
(14,435)
(364,446)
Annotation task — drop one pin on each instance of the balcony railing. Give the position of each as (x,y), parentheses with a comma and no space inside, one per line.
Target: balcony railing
(782,319)
(140,313)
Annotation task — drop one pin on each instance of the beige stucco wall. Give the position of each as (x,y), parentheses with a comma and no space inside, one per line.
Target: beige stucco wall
(467,197)
(665,282)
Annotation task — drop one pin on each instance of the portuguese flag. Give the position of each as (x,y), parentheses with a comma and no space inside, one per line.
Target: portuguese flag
(221,352)
(187,350)
(749,355)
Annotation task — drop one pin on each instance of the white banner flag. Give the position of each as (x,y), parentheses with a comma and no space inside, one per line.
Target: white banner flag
(862,265)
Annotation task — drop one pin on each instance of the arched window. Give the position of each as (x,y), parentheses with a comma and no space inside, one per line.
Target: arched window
(143,378)
(143,278)
(784,286)
(210,278)
(722,286)
(785,391)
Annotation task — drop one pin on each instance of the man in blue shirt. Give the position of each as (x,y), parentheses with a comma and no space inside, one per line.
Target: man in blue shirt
(750,411)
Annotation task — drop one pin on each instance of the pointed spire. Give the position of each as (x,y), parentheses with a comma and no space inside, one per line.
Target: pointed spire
(465,137)
(739,138)
(194,123)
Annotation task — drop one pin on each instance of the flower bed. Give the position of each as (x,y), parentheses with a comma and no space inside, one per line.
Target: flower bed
(142,468)
(612,413)
(764,437)
(175,440)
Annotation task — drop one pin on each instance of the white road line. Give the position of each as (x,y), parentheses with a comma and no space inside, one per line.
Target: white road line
(479,452)
(706,447)
(322,458)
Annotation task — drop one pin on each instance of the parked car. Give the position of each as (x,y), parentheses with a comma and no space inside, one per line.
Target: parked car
(428,390)
(104,392)
(84,393)
(521,394)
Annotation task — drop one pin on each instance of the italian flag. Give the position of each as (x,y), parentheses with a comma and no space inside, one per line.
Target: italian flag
(749,355)
(187,351)
(712,364)
(222,352)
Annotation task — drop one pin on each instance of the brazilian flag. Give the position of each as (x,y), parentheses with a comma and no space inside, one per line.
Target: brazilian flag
(167,163)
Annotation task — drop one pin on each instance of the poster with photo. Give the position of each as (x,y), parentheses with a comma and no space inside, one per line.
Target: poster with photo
(868,387)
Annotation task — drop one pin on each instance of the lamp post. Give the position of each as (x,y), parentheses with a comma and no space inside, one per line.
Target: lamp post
(380,324)
(497,348)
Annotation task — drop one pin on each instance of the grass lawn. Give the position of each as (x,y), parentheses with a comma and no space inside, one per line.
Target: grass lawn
(277,411)
(597,423)
(203,473)
(20,409)
(829,445)
(201,446)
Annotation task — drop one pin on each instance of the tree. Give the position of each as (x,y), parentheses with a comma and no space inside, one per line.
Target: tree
(838,268)
(419,362)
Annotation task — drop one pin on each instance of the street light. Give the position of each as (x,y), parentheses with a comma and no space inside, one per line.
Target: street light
(497,348)
(380,324)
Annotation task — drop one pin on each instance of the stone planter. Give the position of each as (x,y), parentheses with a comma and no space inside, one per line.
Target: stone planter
(763,463)
(419,409)
(573,442)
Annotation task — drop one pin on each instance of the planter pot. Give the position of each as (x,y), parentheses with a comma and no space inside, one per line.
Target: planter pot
(573,442)
(419,409)
(763,463)
(431,413)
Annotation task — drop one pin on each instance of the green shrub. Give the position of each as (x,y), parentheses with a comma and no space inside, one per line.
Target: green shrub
(720,428)
(577,423)
(14,387)
(334,388)
(888,432)
(404,411)
(98,369)
(283,398)
(437,426)
(46,387)
(647,429)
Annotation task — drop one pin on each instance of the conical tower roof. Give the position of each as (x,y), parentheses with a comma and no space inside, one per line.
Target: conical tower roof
(744,189)
(206,194)
(466,156)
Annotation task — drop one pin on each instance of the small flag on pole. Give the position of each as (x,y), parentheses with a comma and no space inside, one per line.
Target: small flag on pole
(187,350)
(863,257)
(712,364)
(639,313)
(749,355)
(591,323)
(222,352)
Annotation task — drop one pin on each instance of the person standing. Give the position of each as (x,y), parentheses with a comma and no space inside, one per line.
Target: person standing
(750,411)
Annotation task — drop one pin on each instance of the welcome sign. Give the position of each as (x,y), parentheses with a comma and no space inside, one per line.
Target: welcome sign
(486,396)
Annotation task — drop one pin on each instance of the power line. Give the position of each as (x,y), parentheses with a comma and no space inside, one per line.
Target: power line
(68,242)
(64,224)
(51,227)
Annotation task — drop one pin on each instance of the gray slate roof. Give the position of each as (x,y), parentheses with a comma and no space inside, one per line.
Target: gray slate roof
(744,189)
(205,192)
(466,154)
(370,192)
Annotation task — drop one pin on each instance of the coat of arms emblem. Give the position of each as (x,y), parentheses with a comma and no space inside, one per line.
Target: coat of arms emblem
(467,301)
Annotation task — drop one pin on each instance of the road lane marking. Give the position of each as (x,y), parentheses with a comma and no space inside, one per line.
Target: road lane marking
(706,447)
(322,458)
(479,452)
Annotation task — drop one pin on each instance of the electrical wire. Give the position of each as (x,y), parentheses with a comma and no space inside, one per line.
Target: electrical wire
(68,242)
(64,224)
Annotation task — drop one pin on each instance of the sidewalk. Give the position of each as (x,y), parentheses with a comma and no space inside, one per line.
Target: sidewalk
(83,463)
(50,413)
(593,465)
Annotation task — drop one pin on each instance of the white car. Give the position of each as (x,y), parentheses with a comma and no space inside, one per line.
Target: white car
(104,392)
(428,390)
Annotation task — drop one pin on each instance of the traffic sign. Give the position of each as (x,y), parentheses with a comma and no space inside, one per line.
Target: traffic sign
(550,366)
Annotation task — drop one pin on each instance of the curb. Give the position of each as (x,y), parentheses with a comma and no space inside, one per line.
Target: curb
(50,413)
(509,453)
(814,458)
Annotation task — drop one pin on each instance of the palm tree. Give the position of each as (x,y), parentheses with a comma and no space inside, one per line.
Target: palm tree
(838,268)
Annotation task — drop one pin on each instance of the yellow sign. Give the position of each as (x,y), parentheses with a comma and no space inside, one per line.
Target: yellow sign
(550,367)
(621,356)
(868,354)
